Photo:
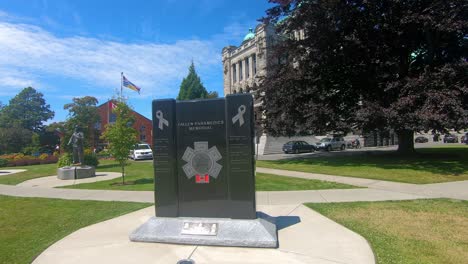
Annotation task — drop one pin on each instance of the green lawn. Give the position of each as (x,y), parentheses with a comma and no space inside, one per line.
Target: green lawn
(29,225)
(33,171)
(263,182)
(136,168)
(428,165)
(418,231)
(270,182)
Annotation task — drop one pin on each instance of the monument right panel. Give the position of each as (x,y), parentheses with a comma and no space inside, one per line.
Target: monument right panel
(241,167)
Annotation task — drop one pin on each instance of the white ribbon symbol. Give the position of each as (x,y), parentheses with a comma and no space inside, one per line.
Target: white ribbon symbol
(239,116)
(162,121)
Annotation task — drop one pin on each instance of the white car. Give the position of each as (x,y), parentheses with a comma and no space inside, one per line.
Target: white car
(141,151)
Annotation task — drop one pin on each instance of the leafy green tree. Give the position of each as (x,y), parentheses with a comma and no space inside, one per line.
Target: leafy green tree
(386,65)
(14,139)
(27,110)
(84,113)
(191,86)
(121,135)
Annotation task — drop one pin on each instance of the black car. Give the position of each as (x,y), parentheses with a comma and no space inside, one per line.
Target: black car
(298,147)
(449,138)
(421,139)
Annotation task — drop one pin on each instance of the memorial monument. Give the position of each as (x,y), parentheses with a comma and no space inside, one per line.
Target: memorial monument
(78,170)
(204,175)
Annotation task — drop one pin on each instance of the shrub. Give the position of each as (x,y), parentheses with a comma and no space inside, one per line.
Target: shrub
(64,160)
(3,162)
(43,156)
(18,156)
(91,160)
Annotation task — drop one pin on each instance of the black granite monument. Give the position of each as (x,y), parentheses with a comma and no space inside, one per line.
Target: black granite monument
(204,175)
(204,158)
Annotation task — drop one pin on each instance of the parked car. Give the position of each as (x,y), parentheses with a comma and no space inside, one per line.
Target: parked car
(449,138)
(298,147)
(330,144)
(141,151)
(464,138)
(353,144)
(421,139)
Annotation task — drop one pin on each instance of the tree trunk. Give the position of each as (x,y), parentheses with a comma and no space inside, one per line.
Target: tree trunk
(123,174)
(406,141)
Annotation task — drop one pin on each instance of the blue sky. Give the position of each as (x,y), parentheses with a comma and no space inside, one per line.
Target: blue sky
(67,49)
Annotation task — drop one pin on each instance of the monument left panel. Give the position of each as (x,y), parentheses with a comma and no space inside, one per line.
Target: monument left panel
(165,153)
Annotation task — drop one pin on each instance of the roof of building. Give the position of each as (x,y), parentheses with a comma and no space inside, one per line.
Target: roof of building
(249,35)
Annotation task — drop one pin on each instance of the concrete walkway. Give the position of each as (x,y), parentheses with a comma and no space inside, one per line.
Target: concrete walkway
(304,237)
(455,190)
(376,190)
(53,181)
(9,172)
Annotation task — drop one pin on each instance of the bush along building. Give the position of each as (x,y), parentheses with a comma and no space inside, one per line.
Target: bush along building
(246,64)
(143,125)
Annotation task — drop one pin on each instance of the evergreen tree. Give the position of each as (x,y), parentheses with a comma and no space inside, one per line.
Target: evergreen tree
(27,110)
(191,86)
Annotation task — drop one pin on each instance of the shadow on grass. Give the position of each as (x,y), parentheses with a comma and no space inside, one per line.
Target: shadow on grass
(144,181)
(444,161)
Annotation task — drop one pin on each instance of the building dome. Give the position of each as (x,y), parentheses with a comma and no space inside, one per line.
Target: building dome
(249,35)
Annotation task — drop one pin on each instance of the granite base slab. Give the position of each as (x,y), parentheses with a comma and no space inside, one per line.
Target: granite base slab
(260,232)
(76,172)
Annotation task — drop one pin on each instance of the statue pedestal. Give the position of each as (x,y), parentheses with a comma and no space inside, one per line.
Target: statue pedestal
(76,172)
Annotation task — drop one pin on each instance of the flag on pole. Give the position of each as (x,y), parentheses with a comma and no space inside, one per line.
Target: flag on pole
(130,85)
(112,105)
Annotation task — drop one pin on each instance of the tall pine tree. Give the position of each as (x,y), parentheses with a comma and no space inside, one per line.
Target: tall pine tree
(191,86)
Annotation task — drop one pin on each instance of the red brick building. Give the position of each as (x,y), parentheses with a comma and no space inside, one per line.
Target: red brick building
(143,125)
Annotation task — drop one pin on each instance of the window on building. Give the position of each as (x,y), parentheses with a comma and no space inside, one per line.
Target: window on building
(112,118)
(142,128)
(247,68)
(234,74)
(241,90)
(143,137)
(241,76)
(254,63)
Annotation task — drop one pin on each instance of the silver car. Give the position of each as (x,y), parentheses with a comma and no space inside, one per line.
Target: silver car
(330,144)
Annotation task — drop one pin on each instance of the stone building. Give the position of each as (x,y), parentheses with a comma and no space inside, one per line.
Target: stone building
(243,65)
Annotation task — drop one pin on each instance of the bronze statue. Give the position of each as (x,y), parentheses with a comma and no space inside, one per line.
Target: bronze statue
(77,140)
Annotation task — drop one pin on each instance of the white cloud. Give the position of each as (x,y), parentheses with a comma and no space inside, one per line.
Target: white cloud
(13,80)
(156,67)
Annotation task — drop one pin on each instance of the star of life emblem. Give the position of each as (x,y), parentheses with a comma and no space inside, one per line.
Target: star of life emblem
(201,162)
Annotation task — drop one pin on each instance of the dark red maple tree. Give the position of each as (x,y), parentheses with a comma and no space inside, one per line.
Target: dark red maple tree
(389,65)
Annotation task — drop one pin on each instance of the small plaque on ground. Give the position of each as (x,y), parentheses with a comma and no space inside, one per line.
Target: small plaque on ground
(198,228)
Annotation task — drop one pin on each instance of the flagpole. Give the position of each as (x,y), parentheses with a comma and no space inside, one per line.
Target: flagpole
(121,90)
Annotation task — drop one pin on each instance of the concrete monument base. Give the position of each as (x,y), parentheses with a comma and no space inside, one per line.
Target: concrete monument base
(260,232)
(76,172)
